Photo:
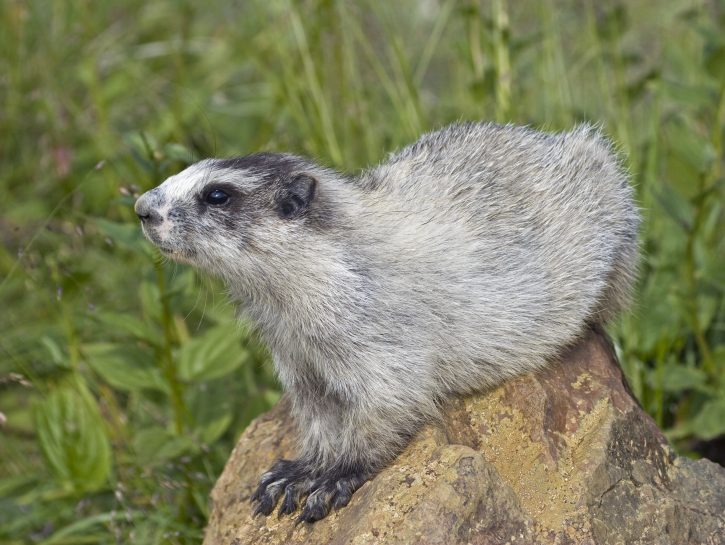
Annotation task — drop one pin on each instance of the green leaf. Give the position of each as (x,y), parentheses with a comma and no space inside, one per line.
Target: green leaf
(73,438)
(72,532)
(710,421)
(715,59)
(687,145)
(675,206)
(272,397)
(215,428)
(156,445)
(128,368)
(126,324)
(150,298)
(54,351)
(211,405)
(214,354)
(676,378)
(11,485)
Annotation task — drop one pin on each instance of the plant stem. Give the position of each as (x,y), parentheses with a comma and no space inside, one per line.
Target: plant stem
(502,60)
(167,360)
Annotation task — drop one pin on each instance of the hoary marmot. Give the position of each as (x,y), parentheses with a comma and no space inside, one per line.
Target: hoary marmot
(473,255)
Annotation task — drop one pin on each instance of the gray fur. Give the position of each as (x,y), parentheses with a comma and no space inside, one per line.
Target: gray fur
(469,257)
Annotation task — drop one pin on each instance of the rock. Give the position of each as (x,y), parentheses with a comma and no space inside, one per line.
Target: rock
(562,456)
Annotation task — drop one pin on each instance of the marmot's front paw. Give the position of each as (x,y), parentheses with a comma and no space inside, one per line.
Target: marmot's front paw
(331,491)
(293,478)
(289,476)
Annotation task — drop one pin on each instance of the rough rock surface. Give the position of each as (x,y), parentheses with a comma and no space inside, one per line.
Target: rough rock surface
(562,456)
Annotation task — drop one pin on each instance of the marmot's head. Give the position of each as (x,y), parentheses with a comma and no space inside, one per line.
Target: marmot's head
(218,213)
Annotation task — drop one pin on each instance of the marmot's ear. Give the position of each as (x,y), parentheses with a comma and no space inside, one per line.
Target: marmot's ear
(296,196)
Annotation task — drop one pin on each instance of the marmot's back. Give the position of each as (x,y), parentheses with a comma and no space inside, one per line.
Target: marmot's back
(526,235)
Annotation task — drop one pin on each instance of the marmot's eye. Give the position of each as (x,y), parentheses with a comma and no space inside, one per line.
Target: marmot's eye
(216,196)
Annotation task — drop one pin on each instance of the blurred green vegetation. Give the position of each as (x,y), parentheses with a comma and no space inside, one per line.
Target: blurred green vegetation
(124,380)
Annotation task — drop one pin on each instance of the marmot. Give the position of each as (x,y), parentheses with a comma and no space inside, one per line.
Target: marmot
(473,255)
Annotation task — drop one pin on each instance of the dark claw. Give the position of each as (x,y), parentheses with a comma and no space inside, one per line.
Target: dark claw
(316,508)
(266,495)
(344,489)
(268,499)
(341,500)
(264,507)
(257,494)
(291,499)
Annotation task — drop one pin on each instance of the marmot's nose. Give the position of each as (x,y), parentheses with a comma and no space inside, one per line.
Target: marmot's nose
(145,211)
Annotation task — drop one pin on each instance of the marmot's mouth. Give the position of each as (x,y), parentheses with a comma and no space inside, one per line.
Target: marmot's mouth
(168,250)
(176,253)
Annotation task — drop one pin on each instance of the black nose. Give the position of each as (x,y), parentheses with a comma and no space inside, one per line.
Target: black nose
(152,218)
(146,212)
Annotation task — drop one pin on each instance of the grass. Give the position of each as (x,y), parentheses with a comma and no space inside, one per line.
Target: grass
(124,380)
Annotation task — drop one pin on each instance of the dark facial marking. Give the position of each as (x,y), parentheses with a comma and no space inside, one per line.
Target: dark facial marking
(296,196)
(283,184)
(264,164)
